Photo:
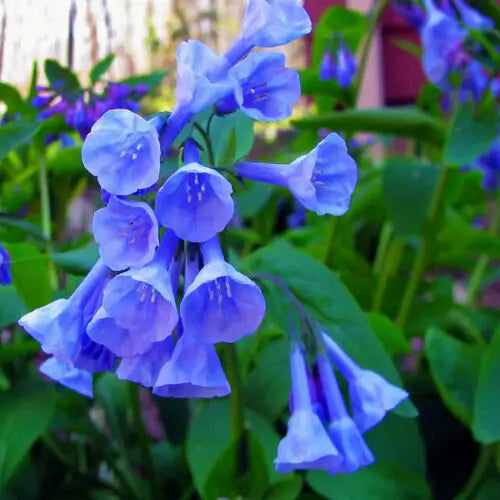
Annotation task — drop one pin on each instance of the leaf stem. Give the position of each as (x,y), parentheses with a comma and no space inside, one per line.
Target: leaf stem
(478,473)
(236,399)
(331,237)
(420,258)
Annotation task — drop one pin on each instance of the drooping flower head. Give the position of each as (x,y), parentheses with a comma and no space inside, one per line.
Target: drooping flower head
(343,68)
(442,41)
(5,276)
(322,180)
(269,23)
(60,327)
(73,378)
(306,445)
(138,307)
(411,12)
(370,394)
(221,305)
(126,232)
(123,151)
(264,88)
(195,202)
(472,18)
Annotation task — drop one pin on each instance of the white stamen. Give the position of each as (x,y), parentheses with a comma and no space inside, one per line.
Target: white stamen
(134,156)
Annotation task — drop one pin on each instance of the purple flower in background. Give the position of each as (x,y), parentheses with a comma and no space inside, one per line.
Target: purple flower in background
(123,151)
(489,164)
(138,307)
(195,202)
(193,371)
(201,82)
(370,394)
(343,69)
(264,88)
(442,41)
(5,276)
(411,12)
(342,430)
(322,180)
(60,327)
(306,445)
(472,18)
(475,82)
(126,232)
(221,305)
(73,378)
(269,23)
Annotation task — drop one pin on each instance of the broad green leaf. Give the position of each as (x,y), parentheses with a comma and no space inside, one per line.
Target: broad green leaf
(60,77)
(29,273)
(381,480)
(100,68)
(14,134)
(391,335)
(25,413)
(77,261)
(226,481)
(18,349)
(471,133)
(12,99)
(405,122)
(455,368)
(287,489)
(251,199)
(408,187)
(152,80)
(12,306)
(66,161)
(328,301)
(486,423)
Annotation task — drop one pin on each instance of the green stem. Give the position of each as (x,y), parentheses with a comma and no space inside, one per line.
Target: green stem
(478,474)
(330,240)
(144,444)
(45,199)
(383,244)
(389,264)
(236,399)
(419,261)
(481,265)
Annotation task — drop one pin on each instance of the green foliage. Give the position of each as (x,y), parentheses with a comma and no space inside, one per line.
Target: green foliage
(60,77)
(13,135)
(100,68)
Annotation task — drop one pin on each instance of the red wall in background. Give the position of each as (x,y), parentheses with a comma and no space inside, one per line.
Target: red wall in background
(402,72)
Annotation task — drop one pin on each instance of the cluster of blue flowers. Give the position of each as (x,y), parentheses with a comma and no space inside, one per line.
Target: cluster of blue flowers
(82,108)
(128,315)
(338,63)
(444,34)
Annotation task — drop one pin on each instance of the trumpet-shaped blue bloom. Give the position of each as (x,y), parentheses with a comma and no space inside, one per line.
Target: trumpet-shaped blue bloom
(5,276)
(144,368)
(322,180)
(221,305)
(343,431)
(264,88)
(60,327)
(123,151)
(193,371)
(73,378)
(127,233)
(306,445)
(138,307)
(370,394)
(343,69)
(472,18)
(269,23)
(442,42)
(201,82)
(195,202)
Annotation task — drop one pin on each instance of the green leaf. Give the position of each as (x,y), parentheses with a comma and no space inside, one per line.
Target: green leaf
(381,480)
(328,301)
(12,307)
(225,481)
(26,411)
(455,368)
(486,423)
(14,134)
(253,198)
(100,68)
(29,274)
(405,122)
(77,261)
(408,187)
(66,161)
(471,133)
(12,99)
(60,77)
(287,489)
(411,48)
(391,336)
(152,80)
